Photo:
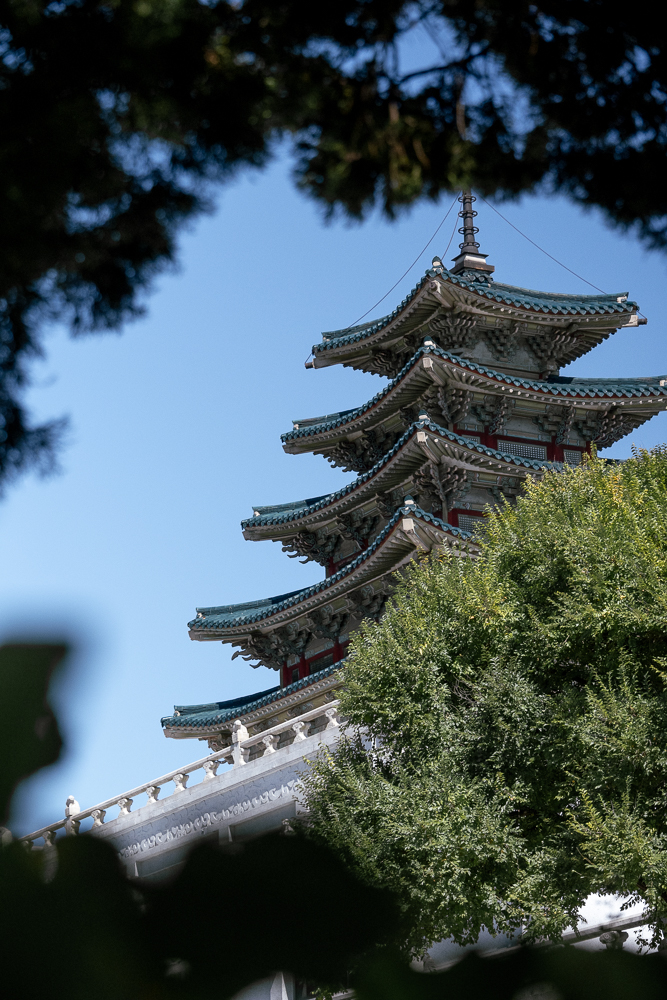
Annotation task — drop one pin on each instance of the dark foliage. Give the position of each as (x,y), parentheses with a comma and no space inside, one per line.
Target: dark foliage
(115,115)
(29,737)
(75,923)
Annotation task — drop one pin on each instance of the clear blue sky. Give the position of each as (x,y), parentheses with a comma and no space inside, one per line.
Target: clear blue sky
(175,434)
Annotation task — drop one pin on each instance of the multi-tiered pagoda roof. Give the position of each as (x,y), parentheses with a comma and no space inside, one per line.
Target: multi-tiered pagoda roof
(476,405)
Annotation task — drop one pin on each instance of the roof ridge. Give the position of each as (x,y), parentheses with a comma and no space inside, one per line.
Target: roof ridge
(225,608)
(574,296)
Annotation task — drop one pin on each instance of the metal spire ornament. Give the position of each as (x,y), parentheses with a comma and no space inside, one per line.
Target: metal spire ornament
(470,259)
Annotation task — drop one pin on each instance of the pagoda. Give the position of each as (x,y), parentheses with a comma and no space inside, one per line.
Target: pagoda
(475,405)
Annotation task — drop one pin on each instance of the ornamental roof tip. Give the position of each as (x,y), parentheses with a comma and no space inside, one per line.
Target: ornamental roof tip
(223,609)
(219,712)
(235,615)
(560,303)
(294,511)
(280,507)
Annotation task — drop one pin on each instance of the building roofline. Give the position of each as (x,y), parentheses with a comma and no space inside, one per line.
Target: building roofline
(554,388)
(194,717)
(530,300)
(297,510)
(261,610)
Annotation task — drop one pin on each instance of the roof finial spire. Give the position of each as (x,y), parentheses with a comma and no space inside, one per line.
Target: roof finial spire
(470,259)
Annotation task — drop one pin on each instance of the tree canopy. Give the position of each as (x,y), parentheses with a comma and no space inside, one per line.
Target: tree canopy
(117,116)
(506,753)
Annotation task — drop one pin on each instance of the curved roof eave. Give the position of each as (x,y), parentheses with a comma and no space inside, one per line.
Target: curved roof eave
(476,452)
(196,718)
(237,618)
(531,301)
(554,390)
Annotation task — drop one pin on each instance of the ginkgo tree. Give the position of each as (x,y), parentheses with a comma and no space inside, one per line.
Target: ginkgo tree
(506,750)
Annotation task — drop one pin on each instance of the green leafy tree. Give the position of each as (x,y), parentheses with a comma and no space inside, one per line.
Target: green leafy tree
(117,116)
(507,743)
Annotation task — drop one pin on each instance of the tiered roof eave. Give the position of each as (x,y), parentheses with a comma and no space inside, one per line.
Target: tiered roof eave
(424,441)
(430,365)
(591,318)
(411,530)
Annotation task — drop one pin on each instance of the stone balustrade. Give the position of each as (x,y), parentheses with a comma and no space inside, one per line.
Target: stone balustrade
(237,754)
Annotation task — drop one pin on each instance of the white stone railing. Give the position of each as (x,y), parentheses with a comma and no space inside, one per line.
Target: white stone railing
(237,754)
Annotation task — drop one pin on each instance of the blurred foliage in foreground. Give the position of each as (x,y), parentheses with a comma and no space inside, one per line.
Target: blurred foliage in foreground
(514,719)
(228,918)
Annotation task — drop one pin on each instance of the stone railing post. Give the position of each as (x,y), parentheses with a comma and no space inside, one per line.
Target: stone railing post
(299,734)
(125,805)
(270,743)
(153,793)
(239,734)
(332,718)
(72,807)
(614,940)
(98,817)
(180,781)
(211,769)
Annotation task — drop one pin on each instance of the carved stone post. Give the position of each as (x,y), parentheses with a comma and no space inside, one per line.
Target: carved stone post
(332,718)
(153,793)
(98,817)
(49,838)
(239,734)
(211,769)
(270,744)
(125,806)
(614,940)
(180,781)
(72,807)
(298,728)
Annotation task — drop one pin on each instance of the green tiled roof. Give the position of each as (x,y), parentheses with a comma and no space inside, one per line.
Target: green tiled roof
(236,615)
(251,606)
(218,712)
(299,508)
(523,298)
(589,388)
(281,507)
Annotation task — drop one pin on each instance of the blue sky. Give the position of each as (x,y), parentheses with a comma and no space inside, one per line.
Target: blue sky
(175,433)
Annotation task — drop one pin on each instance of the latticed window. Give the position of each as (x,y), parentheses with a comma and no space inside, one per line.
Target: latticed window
(468,522)
(523,450)
(571,457)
